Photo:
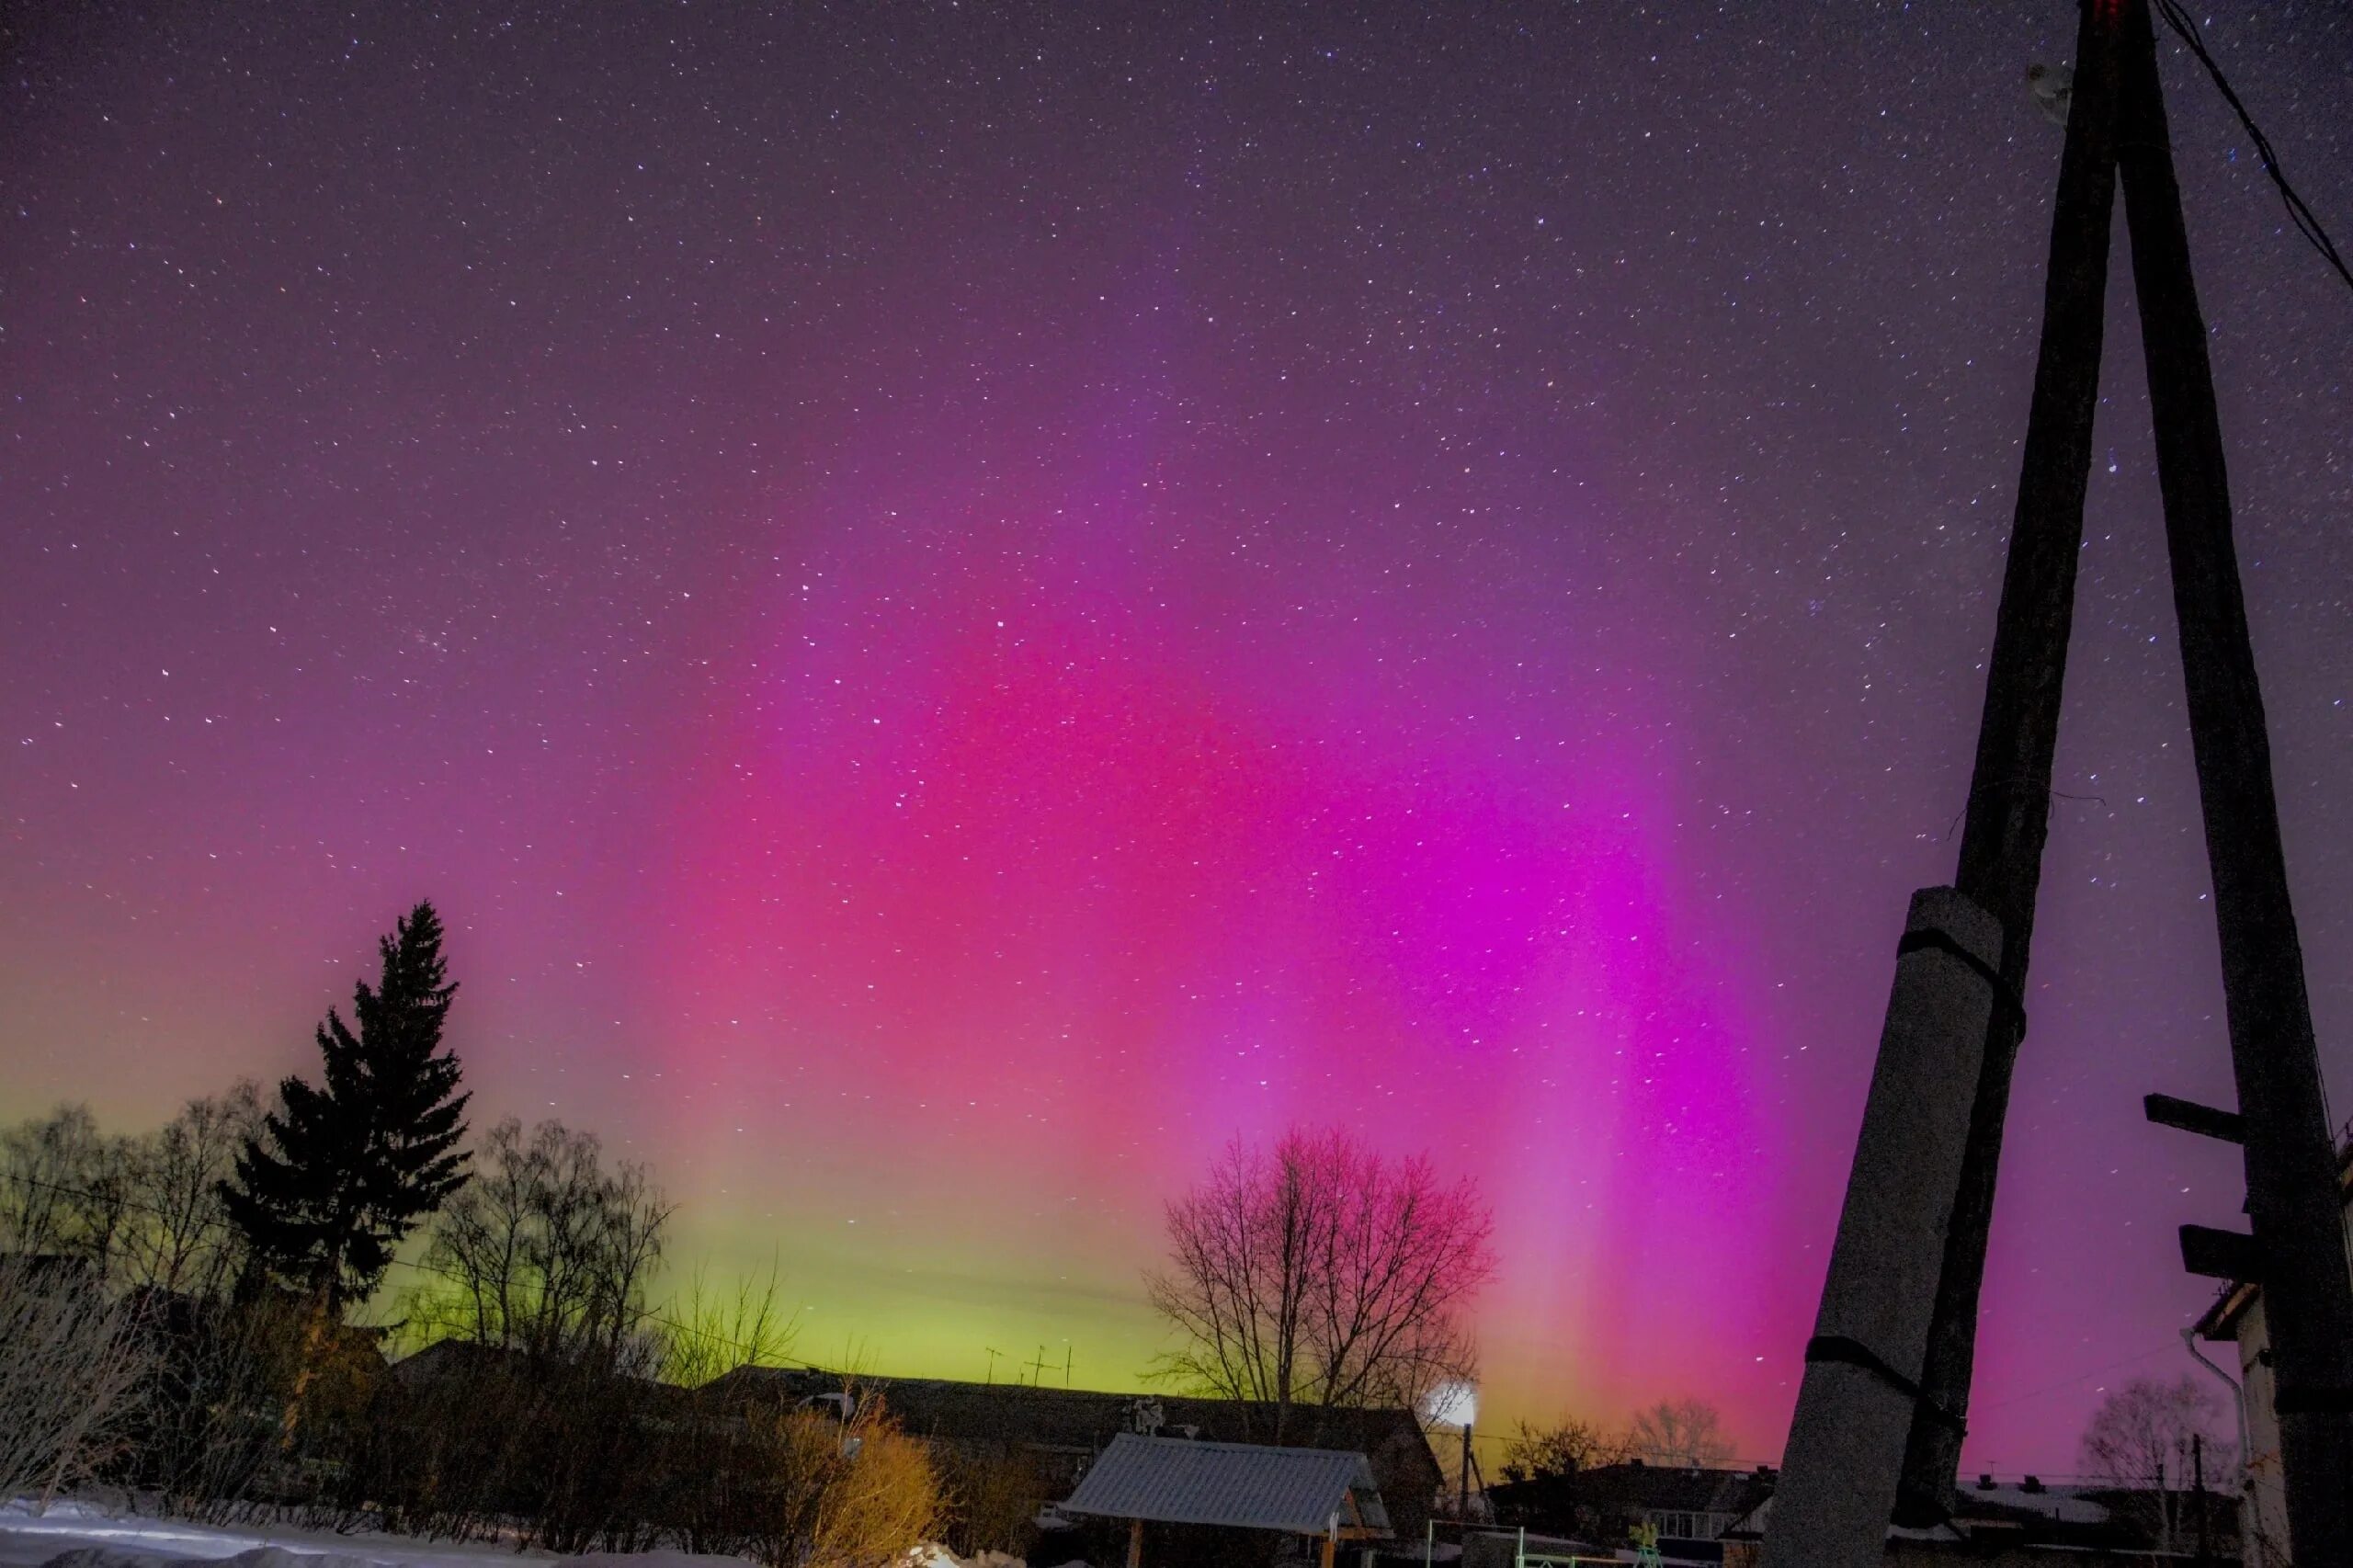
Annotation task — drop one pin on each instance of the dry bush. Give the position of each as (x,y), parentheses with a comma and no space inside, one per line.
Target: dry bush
(71,1364)
(447,1455)
(819,1492)
(256,1404)
(706,1334)
(222,1378)
(995,1498)
(886,1501)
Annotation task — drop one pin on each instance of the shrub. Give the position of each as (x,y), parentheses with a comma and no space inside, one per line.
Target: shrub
(71,1364)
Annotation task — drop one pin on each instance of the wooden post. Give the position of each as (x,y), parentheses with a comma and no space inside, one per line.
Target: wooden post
(2289,1151)
(1462,1501)
(2117,124)
(2198,1490)
(1135,1544)
(1331,1544)
(2008,812)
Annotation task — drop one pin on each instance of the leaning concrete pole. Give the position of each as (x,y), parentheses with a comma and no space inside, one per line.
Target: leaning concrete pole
(1845,1450)
(2008,813)
(2298,1243)
(1896,1342)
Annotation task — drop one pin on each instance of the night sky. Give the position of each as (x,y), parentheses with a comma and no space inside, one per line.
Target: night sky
(958,604)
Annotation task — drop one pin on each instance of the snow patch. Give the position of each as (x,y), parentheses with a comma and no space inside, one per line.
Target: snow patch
(259,1557)
(81,1535)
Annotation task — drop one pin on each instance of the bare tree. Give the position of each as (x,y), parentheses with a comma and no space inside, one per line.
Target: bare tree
(1563,1447)
(43,1162)
(706,1334)
(178,1237)
(2140,1441)
(143,1211)
(64,1188)
(1686,1433)
(1319,1273)
(69,1362)
(548,1251)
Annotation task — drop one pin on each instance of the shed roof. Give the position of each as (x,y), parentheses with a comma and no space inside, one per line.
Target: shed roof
(1184,1482)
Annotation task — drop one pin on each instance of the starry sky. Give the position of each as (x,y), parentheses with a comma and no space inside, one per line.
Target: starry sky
(961,603)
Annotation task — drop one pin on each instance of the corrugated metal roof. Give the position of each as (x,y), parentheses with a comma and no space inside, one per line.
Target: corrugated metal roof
(1180,1481)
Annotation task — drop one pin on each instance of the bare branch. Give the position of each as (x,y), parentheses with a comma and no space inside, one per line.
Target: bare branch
(1319,1273)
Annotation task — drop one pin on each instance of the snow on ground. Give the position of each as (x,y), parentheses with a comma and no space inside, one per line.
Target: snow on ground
(84,1535)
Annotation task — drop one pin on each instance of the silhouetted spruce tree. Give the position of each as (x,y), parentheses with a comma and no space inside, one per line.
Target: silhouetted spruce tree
(341,1173)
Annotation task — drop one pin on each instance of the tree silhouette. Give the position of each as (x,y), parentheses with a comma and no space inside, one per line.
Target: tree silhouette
(1686,1433)
(2139,1441)
(1321,1274)
(340,1173)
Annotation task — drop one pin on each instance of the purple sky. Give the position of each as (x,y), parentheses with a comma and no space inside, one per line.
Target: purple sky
(959,604)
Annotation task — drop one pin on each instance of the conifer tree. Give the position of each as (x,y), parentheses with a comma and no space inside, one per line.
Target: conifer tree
(340,1173)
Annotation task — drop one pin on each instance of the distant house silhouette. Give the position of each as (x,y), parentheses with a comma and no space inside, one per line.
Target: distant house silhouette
(1690,1507)
(1063,1430)
(2028,1522)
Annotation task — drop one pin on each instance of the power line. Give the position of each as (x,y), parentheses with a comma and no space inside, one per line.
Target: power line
(2070,1382)
(2307,222)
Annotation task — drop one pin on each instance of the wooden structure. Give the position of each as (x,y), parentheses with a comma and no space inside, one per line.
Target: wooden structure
(1895,1339)
(1316,1493)
(1059,1431)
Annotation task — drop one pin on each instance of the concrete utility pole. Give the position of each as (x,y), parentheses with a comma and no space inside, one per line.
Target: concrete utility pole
(1894,1344)
(2008,814)
(1863,1365)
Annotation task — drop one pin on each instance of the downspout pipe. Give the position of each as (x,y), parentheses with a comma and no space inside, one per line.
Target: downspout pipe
(2238,1401)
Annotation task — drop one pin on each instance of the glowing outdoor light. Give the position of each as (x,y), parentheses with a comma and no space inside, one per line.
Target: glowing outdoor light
(1452,1404)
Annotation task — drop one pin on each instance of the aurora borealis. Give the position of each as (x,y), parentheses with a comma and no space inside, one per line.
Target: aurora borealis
(957,604)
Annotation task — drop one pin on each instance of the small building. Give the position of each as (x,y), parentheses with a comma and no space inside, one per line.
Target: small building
(1319,1494)
(2236,1318)
(455,1368)
(456,1362)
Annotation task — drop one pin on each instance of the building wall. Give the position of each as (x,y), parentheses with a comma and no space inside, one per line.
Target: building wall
(1688,1524)
(2263,1505)
(2262,1508)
